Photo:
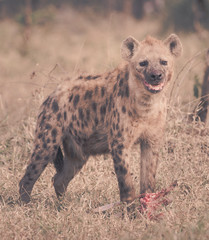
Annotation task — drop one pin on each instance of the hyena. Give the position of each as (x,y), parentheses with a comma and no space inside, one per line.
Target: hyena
(108,113)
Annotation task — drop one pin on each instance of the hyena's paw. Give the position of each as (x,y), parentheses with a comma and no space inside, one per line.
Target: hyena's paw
(59,185)
(24,194)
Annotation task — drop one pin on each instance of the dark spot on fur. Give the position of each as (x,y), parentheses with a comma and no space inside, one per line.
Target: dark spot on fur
(89,77)
(94,106)
(102,91)
(110,103)
(37,146)
(121,93)
(76,100)
(65,115)
(80,113)
(59,116)
(121,82)
(114,88)
(55,106)
(103,110)
(54,133)
(37,157)
(45,145)
(96,76)
(117,126)
(70,98)
(48,140)
(87,114)
(96,121)
(88,94)
(123,109)
(130,114)
(111,132)
(43,120)
(119,135)
(106,101)
(118,117)
(78,124)
(86,124)
(80,77)
(42,113)
(96,90)
(40,135)
(114,142)
(74,118)
(47,102)
(48,126)
(126,75)
(113,126)
(71,125)
(120,148)
(127,91)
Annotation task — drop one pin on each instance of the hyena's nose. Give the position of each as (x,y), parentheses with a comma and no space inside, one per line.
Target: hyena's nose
(156,75)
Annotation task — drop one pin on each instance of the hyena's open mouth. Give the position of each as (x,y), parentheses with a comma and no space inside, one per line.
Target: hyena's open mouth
(154,88)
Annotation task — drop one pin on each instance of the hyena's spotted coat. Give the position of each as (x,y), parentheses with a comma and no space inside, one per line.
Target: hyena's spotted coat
(107,113)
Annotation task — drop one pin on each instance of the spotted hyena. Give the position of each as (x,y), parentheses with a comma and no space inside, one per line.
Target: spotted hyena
(108,113)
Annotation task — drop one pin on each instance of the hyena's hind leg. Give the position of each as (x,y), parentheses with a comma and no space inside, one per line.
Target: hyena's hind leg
(69,165)
(39,160)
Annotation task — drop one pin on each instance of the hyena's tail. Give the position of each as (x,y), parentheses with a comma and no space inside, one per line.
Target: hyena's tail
(58,161)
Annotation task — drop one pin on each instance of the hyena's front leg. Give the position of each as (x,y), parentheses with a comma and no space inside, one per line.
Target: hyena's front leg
(120,158)
(149,162)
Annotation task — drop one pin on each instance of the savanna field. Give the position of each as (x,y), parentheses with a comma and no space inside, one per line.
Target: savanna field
(64,43)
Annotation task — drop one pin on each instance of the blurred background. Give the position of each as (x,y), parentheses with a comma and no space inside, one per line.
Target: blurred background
(44,41)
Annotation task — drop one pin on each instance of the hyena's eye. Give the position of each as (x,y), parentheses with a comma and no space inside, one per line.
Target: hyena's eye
(163,62)
(143,63)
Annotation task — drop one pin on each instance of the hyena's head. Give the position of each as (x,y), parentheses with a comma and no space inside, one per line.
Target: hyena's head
(151,61)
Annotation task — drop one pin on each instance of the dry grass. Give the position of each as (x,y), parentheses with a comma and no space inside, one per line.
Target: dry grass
(184,156)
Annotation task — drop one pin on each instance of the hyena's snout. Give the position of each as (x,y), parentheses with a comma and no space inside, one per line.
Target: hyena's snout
(156,77)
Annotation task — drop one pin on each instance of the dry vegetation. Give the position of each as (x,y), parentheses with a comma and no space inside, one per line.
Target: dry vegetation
(91,43)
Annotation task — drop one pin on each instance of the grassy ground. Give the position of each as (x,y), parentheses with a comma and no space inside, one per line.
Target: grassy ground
(29,70)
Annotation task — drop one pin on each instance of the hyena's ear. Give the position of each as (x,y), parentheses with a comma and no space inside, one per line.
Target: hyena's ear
(128,48)
(174,44)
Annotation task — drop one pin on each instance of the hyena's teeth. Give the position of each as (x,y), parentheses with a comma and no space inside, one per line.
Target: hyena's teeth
(154,87)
